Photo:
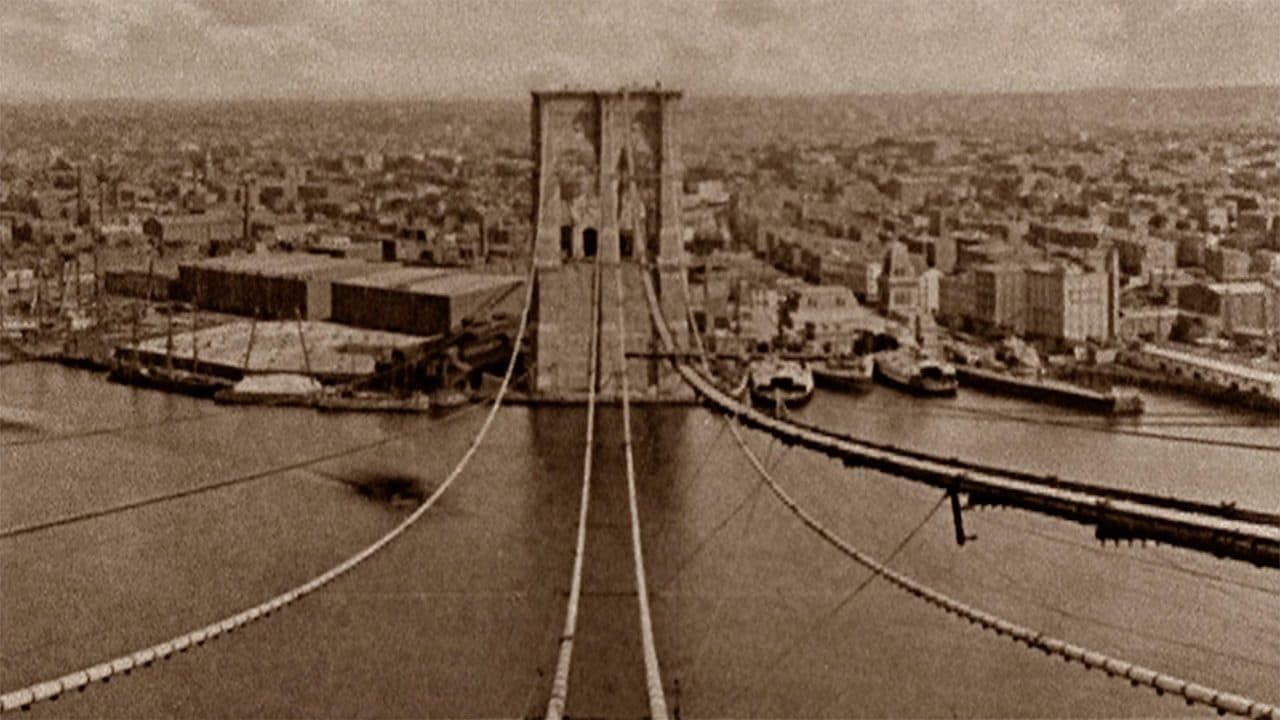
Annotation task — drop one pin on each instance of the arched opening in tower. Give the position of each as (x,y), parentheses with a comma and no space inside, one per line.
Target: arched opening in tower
(566,242)
(626,243)
(590,240)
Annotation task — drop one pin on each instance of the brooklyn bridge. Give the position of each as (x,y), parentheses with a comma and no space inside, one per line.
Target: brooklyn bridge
(558,585)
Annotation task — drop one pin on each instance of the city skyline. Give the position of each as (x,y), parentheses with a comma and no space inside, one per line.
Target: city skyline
(230,49)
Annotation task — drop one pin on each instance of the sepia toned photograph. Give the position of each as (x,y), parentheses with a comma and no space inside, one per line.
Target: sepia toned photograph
(639,359)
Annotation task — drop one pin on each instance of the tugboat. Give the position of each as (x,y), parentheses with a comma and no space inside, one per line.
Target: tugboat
(848,373)
(775,383)
(917,373)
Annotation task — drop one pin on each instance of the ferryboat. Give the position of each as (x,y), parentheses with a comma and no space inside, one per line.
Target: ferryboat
(849,372)
(917,373)
(774,383)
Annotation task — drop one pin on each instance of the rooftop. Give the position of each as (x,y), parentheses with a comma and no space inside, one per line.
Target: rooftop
(282,264)
(461,283)
(1243,371)
(395,277)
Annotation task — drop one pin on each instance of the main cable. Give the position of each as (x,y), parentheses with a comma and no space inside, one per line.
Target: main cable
(560,682)
(1034,639)
(80,679)
(652,671)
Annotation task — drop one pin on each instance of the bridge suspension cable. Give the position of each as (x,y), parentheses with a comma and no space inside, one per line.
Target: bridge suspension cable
(80,679)
(1223,529)
(1137,675)
(560,681)
(652,672)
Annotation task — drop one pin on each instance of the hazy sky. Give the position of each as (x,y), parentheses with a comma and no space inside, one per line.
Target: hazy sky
(484,48)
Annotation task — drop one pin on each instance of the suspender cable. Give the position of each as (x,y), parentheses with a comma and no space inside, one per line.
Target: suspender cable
(652,672)
(560,682)
(80,679)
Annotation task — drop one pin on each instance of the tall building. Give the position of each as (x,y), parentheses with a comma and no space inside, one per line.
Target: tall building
(999,297)
(1064,303)
(899,282)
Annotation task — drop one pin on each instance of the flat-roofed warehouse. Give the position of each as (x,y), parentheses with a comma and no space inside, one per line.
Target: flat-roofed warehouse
(271,286)
(424,301)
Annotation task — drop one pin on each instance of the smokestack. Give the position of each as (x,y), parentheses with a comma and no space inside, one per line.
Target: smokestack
(244,231)
(1113,293)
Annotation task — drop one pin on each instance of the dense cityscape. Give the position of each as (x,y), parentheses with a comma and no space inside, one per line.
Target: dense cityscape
(654,359)
(1084,224)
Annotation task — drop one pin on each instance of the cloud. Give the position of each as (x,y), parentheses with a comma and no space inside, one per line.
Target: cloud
(751,14)
(414,48)
(251,13)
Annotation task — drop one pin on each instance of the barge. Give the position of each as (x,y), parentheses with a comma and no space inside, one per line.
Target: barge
(1113,402)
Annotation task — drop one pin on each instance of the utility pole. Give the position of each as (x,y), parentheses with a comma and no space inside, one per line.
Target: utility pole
(248,349)
(245,210)
(195,340)
(302,338)
(168,340)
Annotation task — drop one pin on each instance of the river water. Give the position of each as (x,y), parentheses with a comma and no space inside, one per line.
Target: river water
(754,615)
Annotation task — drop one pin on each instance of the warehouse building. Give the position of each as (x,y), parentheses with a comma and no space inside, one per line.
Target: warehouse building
(276,286)
(424,301)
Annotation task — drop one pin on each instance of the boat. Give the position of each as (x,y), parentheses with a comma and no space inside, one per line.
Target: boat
(372,402)
(773,383)
(271,389)
(916,372)
(1116,401)
(167,379)
(849,372)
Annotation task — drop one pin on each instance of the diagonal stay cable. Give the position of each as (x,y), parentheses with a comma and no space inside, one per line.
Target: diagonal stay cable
(560,681)
(210,487)
(110,429)
(855,592)
(1137,675)
(703,645)
(80,679)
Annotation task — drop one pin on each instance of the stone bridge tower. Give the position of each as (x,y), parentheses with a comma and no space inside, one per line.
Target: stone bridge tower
(607,185)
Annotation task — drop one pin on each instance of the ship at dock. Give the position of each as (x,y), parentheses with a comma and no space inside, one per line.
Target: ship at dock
(916,372)
(853,373)
(775,383)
